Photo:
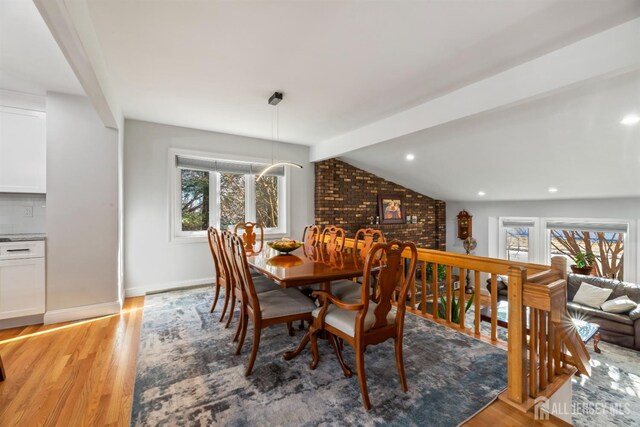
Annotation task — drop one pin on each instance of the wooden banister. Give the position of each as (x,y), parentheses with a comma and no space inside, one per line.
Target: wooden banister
(540,330)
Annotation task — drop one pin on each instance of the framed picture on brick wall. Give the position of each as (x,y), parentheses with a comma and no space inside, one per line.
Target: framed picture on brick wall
(390,208)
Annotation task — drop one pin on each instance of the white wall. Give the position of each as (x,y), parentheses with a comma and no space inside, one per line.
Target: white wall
(154,262)
(82,211)
(485,216)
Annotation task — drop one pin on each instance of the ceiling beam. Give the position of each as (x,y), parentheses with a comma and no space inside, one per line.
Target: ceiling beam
(87,64)
(603,54)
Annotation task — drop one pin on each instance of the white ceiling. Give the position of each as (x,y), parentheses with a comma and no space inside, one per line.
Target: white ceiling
(341,65)
(572,140)
(30,59)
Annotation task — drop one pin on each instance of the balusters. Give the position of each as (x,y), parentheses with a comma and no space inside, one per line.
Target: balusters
(494,308)
(447,313)
(533,352)
(423,282)
(461,296)
(435,287)
(542,349)
(476,301)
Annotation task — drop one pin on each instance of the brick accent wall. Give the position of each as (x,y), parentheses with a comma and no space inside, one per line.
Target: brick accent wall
(347,197)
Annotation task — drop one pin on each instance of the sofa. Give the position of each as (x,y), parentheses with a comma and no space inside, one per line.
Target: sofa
(620,329)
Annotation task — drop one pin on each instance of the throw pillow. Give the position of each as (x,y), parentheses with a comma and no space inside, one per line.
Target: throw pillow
(592,296)
(619,305)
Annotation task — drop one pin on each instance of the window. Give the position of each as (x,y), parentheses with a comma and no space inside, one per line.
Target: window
(224,193)
(537,240)
(517,239)
(604,240)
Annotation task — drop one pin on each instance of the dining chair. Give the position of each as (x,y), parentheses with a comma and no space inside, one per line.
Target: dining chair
(221,269)
(349,290)
(311,235)
(3,374)
(366,322)
(249,237)
(284,305)
(332,238)
(261,283)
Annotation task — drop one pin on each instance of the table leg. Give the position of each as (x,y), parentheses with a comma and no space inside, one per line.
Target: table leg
(288,355)
(596,341)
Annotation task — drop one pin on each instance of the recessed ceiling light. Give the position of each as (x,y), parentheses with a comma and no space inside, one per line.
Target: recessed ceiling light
(410,157)
(481,193)
(553,190)
(630,119)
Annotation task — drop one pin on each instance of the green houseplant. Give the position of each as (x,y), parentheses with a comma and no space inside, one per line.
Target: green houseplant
(455,308)
(583,263)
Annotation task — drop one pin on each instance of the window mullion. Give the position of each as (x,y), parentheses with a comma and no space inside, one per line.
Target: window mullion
(250,198)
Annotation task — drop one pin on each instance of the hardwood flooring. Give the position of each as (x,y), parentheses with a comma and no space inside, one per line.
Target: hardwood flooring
(82,374)
(73,374)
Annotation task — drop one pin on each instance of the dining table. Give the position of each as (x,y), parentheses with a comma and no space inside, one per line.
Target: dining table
(305,266)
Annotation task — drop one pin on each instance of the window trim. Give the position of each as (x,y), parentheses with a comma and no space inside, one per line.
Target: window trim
(540,239)
(177,235)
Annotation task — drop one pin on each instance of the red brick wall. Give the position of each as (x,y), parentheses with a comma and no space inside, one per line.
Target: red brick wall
(347,197)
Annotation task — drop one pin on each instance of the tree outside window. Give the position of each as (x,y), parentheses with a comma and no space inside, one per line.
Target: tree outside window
(608,249)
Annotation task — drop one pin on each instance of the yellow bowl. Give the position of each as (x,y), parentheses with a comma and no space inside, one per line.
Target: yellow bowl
(285,246)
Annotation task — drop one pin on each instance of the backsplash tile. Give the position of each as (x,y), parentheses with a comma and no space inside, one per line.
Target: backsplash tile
(12,213)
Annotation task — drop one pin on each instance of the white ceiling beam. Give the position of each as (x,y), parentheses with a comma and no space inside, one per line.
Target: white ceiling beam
(87,64)
(606,53)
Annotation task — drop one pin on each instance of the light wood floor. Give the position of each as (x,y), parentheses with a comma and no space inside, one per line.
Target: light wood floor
(82,374)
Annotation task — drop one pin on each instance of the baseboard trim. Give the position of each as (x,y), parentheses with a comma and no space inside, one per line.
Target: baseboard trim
(163,287)
(82,312)
(36,319)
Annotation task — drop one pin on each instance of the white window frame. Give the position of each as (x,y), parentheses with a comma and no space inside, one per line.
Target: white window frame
(177,235)
(630,244)
(540,239)
(534,231)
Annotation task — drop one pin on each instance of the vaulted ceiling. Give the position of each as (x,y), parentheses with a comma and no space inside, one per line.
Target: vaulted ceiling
(485,94)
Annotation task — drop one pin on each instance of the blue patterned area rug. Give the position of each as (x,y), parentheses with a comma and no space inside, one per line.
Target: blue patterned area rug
(187,374)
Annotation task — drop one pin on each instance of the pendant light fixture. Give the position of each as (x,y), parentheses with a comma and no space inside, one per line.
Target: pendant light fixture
(275,100)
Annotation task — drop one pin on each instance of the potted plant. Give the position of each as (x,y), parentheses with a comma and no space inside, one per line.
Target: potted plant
(455,308)
(583,263)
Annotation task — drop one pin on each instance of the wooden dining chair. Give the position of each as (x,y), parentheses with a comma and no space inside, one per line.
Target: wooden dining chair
(284,305)
(249,237)
(261,283)
(3,374)
(221,269)
(311,235)
(349,290)
(366,322)
(333,238)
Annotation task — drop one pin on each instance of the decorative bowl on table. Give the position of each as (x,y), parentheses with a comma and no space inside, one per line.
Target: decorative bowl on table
(284,246)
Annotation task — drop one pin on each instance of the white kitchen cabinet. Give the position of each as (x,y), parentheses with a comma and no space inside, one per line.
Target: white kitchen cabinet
(22,280)
(23,151)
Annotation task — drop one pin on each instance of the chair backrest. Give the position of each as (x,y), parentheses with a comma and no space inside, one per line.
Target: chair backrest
(250,239)
(311,235)
(367,237)
(387,260)
(219,261)
(242,274)
(333,238)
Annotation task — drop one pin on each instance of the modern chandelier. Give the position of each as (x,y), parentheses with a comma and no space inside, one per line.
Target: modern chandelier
(275,100)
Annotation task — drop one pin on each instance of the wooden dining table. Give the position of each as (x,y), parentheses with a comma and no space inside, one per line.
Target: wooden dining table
(304,266)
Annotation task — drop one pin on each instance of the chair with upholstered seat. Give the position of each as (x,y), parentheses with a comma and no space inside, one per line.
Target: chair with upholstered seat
(311,235)
(250,239)
(267,308)
(367,322)
(349,290)
(261,283)
(332,239)
(221,269)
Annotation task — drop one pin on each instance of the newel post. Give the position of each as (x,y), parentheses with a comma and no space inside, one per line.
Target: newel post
(516,343)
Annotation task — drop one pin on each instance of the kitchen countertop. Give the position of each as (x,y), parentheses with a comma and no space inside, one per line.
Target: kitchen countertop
(22,237)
